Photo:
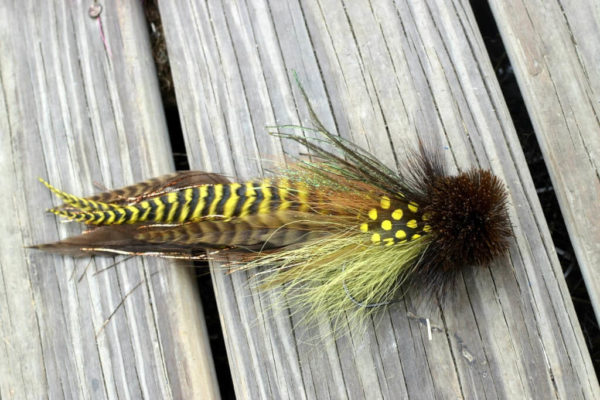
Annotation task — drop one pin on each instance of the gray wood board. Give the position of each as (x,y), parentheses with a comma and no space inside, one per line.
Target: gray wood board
(381,74)
(77,109)
(556,65)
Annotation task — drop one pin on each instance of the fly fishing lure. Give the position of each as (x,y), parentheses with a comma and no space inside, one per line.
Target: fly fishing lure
(339,235)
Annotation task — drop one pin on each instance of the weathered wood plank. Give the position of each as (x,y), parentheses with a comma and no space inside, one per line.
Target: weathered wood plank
(556,65)
(381,74)
(76,110)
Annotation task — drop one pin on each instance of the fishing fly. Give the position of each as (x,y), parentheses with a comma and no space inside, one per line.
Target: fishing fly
(341,234)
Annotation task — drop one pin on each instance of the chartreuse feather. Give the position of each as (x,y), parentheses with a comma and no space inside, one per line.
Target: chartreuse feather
(340,275)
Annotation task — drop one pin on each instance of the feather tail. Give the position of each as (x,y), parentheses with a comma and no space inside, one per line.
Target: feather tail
(340,275)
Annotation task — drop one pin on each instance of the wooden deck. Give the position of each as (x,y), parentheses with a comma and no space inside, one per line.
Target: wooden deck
(79,104)
(77,111)
(557,67)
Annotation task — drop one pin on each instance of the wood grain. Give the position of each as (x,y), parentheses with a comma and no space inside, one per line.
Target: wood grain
(556,65)
(381,74)
(79,104)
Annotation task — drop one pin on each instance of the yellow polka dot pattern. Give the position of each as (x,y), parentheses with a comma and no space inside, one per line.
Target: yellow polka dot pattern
(394,222)
(413,207)
(385,202)
(397,214)
(373,214)
(376,238)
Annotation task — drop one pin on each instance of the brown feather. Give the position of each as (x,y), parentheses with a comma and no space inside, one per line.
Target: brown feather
(255,232)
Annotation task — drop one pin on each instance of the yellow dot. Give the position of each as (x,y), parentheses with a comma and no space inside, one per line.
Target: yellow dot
(412,224)
(400,234)
(425,217)
(385,202)
(412,206)
(364,227)
(376,238)
(386,225)
(388,241)
(415,236)
(427,228)
(373,214)
(397,214)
